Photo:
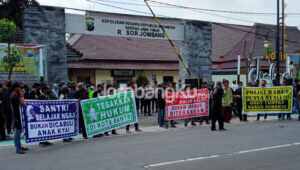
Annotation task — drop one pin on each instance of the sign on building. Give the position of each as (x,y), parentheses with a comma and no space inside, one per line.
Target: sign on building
(96,25)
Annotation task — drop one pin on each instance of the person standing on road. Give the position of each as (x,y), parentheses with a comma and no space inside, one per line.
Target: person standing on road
(227,102)
(239,99)
(217,108)
(186,121)
(6,91)
(2,119)
(136,125)
(81,94)
(206,118)
(17,99)
(44,96)
(161,103)
(263,85)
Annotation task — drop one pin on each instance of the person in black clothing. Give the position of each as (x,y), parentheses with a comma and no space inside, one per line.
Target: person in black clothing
(81,94)
(6,91)
(239,100)
(161,104)
(136,125)
(44,96)
(211,94)
(2,119)
(217,108)
(17,99)
(35,92)
(26,91)
(263,85)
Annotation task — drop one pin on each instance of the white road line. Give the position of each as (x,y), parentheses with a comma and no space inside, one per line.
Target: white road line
(217,156)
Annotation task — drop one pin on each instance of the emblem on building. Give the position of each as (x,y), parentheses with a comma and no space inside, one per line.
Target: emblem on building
(89,23)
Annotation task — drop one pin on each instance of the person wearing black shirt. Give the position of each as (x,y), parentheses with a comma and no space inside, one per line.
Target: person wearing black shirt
(217,108)
(239,100)
(6,91)
(2,119)
(17,99)
(81,94)
(35,92)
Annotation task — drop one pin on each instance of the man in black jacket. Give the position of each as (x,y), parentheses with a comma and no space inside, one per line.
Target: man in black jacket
(239,102)
(2,120)
(17,99)
(217,108)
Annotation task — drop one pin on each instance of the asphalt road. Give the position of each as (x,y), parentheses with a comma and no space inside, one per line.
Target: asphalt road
(257,145)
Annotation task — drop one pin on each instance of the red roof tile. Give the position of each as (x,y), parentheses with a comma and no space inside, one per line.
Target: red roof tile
(124,65)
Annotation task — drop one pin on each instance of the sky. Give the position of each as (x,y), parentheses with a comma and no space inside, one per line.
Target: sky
(257,6)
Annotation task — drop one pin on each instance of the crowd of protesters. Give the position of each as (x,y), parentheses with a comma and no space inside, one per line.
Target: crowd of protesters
(150,98)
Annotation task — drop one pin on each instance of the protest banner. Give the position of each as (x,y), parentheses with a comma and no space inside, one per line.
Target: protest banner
(109,112)
(187,104)
(44,120)
(268,100)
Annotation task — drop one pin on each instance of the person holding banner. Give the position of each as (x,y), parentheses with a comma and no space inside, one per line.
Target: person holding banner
(217,108)
(227,102)
(186,121)
(81,94)
(44,96)
(206,118)
(263,85)
(17,99)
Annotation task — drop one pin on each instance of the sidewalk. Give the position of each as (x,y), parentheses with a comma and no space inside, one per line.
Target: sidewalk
(149,124)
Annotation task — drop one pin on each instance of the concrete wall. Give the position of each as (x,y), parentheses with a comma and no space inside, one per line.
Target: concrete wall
(196,50)
(46,25)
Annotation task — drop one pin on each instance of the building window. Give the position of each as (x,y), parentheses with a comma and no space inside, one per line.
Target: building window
(84,79)
(168,79)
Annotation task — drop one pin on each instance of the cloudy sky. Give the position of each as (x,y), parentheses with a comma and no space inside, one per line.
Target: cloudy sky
(256,6)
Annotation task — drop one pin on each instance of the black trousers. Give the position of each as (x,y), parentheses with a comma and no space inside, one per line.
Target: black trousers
(8,118)
(142,105)
(2,130)
(217,116)
(147,107)
(81,124)
(154,105)
(241,116)
(137,101)
(136,126)
(258,116)
(282,115)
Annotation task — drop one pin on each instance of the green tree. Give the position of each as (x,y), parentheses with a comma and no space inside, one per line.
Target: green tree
(12,54)
(141,79)
(13,9)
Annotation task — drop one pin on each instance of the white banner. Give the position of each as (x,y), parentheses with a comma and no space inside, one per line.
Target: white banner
(97,25)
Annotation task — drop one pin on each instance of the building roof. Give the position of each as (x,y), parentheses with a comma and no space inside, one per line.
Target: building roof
(124,65)
(98,47)
(252,45)
(224,38)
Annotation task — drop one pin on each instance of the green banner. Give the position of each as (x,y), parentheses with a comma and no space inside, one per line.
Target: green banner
(109,112)
(267,100)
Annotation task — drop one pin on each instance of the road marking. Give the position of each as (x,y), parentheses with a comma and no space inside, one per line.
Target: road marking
(217,156)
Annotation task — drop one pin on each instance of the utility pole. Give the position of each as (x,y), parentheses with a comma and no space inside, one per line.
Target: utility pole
(277,44)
